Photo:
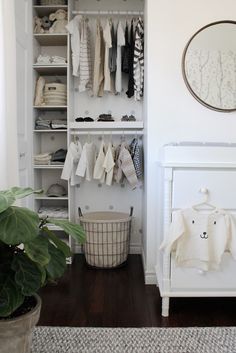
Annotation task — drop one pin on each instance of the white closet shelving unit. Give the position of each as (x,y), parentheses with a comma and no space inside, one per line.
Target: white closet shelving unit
(50,140)
(90,196)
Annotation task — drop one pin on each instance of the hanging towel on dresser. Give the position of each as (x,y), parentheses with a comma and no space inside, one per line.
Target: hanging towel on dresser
(199,240)
(87,161)
(71,163)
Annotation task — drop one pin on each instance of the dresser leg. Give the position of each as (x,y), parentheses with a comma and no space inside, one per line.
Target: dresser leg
(165,306)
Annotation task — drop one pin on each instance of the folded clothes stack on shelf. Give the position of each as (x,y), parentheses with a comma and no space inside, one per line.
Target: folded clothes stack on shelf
(43,124)
(45,59)
(42,159)
(53,212)
(48,158)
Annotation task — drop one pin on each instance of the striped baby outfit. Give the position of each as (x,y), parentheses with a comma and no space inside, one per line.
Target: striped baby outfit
(136,154)
(138,63)
(85,71)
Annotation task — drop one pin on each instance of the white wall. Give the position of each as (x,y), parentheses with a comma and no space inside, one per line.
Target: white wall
(172,113)
(9,159)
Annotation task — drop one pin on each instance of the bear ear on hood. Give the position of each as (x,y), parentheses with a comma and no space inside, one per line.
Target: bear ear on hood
(52,17)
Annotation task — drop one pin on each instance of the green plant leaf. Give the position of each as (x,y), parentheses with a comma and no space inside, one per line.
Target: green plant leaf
(10,294)
(27,274)
(7,199)
(61,245)
(18,225)
(19,193)
(37,250)
(74,230)
(57,265)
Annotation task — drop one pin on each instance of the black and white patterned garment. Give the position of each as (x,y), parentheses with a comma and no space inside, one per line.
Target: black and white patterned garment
(137,157)
(139,60)
(134,340)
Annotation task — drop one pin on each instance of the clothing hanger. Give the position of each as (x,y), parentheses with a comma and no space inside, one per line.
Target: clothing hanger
(205,203)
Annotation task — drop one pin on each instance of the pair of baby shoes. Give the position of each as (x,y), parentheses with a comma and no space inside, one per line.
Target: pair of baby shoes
(105,117)
(81,119)
(128,118)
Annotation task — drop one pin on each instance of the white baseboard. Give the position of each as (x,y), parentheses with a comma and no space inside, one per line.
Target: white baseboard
(149,276)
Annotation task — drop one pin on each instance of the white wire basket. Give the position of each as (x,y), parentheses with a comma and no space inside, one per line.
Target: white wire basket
(107,238)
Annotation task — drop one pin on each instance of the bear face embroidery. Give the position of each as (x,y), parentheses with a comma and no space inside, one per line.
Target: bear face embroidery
(203,235)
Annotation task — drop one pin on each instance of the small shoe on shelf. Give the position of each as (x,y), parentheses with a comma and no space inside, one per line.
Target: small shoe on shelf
(132,118)
(105,117)
(80,119)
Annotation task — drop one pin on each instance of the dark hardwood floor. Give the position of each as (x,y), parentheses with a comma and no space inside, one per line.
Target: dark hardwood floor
(119,298)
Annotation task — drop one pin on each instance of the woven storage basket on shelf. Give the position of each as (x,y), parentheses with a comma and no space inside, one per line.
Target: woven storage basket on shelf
(55,94)
(52,2)
(107,238)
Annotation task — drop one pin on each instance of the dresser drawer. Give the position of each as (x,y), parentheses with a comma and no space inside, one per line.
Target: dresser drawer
(221,185)
(190,279)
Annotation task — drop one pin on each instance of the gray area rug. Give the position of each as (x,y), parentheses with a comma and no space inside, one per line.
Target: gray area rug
(134,340)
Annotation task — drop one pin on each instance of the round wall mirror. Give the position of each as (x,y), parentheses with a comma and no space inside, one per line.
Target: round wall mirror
(209,66)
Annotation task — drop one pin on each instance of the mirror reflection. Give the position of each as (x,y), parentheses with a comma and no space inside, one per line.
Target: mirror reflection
(209,65)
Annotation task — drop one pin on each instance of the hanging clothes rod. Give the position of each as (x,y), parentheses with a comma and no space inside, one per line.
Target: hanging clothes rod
(111,132)
(125,13)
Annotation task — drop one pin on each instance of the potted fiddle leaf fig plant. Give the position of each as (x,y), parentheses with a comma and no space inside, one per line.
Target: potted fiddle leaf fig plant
(31,255)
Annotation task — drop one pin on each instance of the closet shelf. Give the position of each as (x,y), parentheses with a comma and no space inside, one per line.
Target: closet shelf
(51,107)
(44,10)
(119,125)
(59,166)
(51,39)
(50,131)
(51,69)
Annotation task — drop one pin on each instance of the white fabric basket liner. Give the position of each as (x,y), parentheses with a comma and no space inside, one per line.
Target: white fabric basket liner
(105,217)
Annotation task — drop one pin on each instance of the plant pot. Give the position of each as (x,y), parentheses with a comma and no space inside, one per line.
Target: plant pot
(16,334)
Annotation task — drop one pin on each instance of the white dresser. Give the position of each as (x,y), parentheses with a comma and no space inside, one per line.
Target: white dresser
(186,172)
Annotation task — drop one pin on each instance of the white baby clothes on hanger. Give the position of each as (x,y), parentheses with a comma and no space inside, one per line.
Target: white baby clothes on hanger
(108,164)
(87,161)
(99,171)
(98,72)
(85,71)
(71,163)
(108,45)
(126,166)
(73,28)
(199,239)
(120,44)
